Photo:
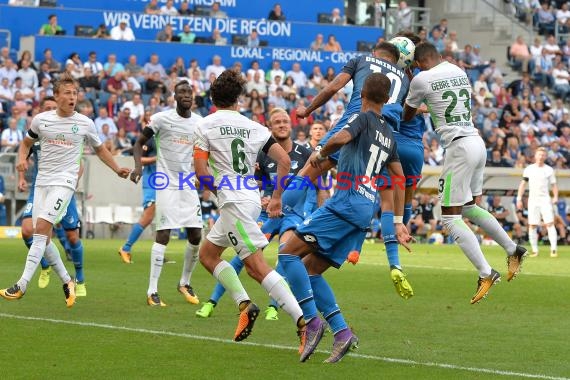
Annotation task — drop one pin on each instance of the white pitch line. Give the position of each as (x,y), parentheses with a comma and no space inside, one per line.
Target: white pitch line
(282,347)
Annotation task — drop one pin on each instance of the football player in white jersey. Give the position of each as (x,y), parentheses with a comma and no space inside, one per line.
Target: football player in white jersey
(540,178)
(62,134)
(177,201)
(231,143)
(446,90)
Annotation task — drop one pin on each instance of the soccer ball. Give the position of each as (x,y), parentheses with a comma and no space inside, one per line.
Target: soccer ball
(406,48)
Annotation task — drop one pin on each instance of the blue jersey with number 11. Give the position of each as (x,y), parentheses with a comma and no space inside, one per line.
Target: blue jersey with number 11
(361,163)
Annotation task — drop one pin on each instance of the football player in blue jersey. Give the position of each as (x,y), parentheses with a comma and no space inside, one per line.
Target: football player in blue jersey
(383,60)
(324,239)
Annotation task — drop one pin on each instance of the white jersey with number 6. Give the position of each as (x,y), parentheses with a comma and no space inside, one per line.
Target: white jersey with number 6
(446,90)
(233,142)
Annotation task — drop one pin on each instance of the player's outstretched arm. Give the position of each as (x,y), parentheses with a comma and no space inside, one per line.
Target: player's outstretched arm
(520,193)
(137,153)
(409,112)
(324,95)
(278,154)
(107,158)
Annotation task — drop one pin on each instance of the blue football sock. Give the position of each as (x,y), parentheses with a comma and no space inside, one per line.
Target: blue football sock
(326,303)
(60,233)
(219,290)
(389,236)
(133,237)
(298,278)
(28,242)
(77,256)
(407,213)
(44,263)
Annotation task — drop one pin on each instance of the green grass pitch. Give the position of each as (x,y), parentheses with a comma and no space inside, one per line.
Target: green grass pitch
(522,330)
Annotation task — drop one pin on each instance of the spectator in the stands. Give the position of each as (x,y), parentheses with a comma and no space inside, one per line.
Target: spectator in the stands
(536,50)
(112,67)
(218,39)
(278,100)
(166,34)
(154,66)
(436,38)
(95,66)
(563,17)
(289,85)
(137,108)
(27,55)
(298,75)
(216,12)
(155,84)
(169,9)
(152,8)
(520,54)
(116,84)
(28,75)
(113,106)
(492,72)
(89,82)
(187,37)
(9,70)
(6,93)
(561,85)
(253,39)
(53,65)
(497,160)
(134,69)
(74,65)
(254,100)
(122,32)
(274,71)
(102,32)
(255,69)
(184,9)
(319,43)
(84,105)
(4,54)
(195,67)
(51,28)
(451,39)
(126,135)
(404,16)
(216,67)
(337,18)
(127,124)
(442,26)
(178,67)
(332,44)
(543,70)
(11,136)
(276,13)
(316,78)
(546,19)
(103,119)
(330,74)
(257,83)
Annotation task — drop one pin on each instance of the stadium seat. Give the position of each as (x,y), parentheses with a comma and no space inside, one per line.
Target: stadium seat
(84,30)
(239,39)
(103,214)
(324,18)
(123,214)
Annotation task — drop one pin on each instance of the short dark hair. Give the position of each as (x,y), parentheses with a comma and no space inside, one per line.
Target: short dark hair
(182,82)
(46,99)
(376,88)
(227,88)
(388,48)
(425,50)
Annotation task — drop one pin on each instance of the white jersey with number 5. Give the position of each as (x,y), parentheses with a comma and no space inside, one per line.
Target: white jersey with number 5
(61,142)
(233,142)
(539,180)
(446,90)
